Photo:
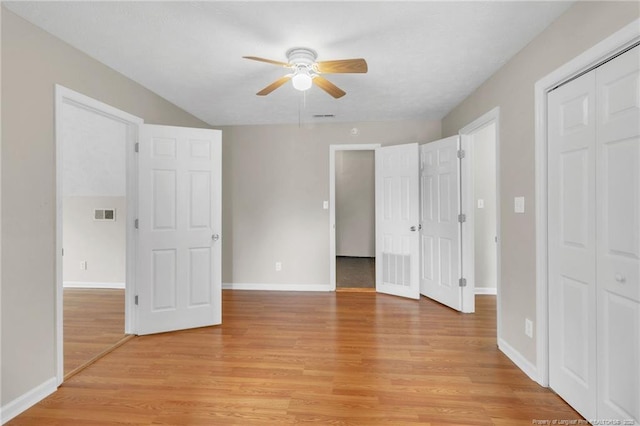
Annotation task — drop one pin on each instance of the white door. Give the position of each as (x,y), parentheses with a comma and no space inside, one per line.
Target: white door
(179,221)
(618,236)
(572,243)
(440,235)
(397,209)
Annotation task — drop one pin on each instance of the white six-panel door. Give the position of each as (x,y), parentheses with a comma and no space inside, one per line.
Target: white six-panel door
(179,212)
(618,236)
(572,244)
(440,235)
(397,211)
(594,240)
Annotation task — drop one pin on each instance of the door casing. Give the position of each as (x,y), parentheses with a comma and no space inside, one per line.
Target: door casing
(64,96)
(591,58)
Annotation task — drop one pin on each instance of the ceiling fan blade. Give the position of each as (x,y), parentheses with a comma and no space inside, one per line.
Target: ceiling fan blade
(329,87)
(269,61)
(358,65)
(273,86)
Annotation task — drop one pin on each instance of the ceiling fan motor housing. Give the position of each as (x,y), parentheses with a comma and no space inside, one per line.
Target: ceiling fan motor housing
(301,56)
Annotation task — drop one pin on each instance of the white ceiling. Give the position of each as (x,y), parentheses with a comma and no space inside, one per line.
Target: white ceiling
(424,57)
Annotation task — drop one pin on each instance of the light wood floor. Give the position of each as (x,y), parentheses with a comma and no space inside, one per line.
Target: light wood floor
(93,322)
(323,358)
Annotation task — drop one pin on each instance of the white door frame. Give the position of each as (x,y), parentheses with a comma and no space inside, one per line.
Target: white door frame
(592,57)
(68,96)
(468,208)
(332,202)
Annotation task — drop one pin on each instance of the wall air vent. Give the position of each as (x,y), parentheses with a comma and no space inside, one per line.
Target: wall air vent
(104,215)
(323,115)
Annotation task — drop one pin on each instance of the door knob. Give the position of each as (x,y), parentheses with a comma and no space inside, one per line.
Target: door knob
(215,237)
(620,278)
(413,228)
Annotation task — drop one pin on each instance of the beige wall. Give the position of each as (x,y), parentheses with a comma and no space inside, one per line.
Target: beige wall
(32,63)
(101,244)
(511,88)
(275,180)
(355,203)
(484,187)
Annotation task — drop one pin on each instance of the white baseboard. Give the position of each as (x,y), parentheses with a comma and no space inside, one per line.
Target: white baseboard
(277,287)
(82,284)
(27,400)
(486,290)
(519,360)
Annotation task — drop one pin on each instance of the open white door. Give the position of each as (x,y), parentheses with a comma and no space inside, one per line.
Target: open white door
(440,235)
(179,221)
(397,215)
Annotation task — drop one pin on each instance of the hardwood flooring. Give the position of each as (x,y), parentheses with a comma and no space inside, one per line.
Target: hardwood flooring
(355,272)
(284,358)
(93,322)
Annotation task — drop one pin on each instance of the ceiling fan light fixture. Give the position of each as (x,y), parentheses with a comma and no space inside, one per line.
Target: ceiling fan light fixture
(302,80)
(306,72)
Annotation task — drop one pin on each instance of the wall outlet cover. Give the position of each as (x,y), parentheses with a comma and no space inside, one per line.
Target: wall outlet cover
(528,328)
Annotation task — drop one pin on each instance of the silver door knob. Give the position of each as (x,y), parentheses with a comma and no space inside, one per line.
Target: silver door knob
(413,228)
(215,237)
(620,278)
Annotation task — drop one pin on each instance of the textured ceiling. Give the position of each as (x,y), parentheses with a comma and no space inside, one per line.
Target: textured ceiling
(424,57)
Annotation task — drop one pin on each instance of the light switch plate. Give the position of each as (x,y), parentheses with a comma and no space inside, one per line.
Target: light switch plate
(480,203)
(325,205)
(518,204)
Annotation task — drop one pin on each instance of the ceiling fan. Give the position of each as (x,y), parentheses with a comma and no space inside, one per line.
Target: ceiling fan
(305,71)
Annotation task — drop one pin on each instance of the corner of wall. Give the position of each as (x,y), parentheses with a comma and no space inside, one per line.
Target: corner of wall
(518,359)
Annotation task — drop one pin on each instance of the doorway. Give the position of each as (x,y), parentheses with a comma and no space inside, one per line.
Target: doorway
(94,193)
(480,177)
(352,216)
(178,169)
(355,219)
(93,233)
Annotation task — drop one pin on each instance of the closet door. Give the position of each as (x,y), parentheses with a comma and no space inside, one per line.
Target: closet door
(572,243)
(618,236)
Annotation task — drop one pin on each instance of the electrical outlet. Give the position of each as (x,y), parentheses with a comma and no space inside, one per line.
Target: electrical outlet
(83,265)
(278,266)
(528,328)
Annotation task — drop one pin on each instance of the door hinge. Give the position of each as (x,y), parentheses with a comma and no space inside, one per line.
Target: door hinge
(135,223)
(461,153)
(462,218)
(462,282)
(135,299)
(136,147)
